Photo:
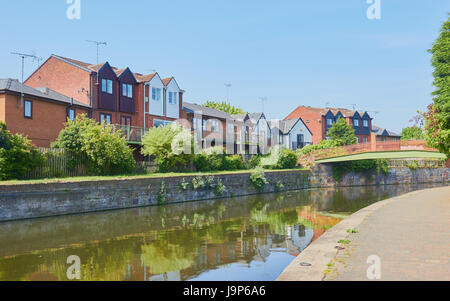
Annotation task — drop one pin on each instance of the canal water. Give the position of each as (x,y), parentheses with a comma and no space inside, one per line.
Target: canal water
(244,238)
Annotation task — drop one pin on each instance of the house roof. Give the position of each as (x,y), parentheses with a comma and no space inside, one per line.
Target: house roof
(383,132)
(285,126)
(166,81)
(324,111)
(207,111)
(14,85)
(144,78)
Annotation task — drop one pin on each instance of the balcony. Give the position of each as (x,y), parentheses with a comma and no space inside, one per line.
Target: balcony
(297,145)
(132,134)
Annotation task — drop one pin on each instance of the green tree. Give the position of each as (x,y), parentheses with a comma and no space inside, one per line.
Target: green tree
(341,133)
(437,125)
(412,133)
(171,146)
(100,147)
(225,107)
(17,155)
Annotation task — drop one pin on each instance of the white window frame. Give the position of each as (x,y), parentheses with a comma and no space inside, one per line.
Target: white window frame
(356,122)
(30,109)
(365,123)
(71,118)
(329,121)
(104,85)
(109,86)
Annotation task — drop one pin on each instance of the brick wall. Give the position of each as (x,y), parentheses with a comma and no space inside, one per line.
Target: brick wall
(47,121)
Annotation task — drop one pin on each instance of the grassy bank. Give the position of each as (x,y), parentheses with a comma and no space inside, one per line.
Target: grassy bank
(129,177)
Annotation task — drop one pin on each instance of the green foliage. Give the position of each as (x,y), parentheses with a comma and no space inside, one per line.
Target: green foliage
(340,169)
(214,159)
(225,107)
(220,188)
(342,133)
(258,179)
(198,183)
(254,162)
(171,146)
(184,184)
(352,231)
(101,147)
(324,144)
(437,119)
(412,133)
(162,194)
(414,165)
(279,158)
(279,186)
(17,155)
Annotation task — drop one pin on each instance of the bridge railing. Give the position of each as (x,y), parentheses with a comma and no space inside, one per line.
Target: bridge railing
(374,146)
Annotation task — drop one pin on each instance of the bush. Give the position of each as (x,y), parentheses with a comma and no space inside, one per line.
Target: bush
(214,159)
(254,162)
(258,179)
(324,144)
(17,155)
(233,162)
(279,158)
(101,147)
(171,146)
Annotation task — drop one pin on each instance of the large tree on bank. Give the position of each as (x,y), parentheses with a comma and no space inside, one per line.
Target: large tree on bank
(341,133)
(437,127)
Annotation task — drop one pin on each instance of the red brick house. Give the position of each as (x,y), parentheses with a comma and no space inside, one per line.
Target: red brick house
(40,115)
(115,96)
(320,120)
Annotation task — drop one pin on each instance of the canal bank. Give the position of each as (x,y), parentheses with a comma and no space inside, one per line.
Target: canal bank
(53,199)
(408,234)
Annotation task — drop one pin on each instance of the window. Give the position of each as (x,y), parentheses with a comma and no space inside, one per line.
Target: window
(365,140)
(356,122)
(203,124)
(156,94)
(173,97)
(105,118)
(28,109)
(107,86)
(157,123)
(71,114)
(214,126)
(125,120)
(230,128)
(329,121)
(127,90)
(366,123)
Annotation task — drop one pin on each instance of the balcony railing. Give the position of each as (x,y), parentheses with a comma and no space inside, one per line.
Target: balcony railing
(132,134)
(297,145)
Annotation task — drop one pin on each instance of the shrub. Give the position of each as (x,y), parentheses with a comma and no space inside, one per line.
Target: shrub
(254,162)
(101,147)
(279,158)
(279,186)
(214,159)
(258,179)
(342,133)
(17,155)
(220,188)
(171,146)
(233,162)
(324,144)
(198,183)
(162,194)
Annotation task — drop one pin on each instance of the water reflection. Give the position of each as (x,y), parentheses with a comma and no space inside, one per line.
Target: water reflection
(249,238)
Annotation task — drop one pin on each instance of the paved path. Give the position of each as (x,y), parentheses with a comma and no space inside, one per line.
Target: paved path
(410,235)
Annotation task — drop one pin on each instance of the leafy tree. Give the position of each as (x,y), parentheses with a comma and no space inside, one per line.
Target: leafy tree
(171,146)
(17,155)
(437,127)
(100,146)
(412,133)
(342,133)
(225,107)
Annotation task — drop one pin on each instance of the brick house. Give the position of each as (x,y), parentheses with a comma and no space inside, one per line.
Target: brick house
(115,96)
(320,120)
(42,113)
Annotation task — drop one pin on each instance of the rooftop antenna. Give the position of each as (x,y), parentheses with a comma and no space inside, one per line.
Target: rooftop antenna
(98,43)
(263,100)
(228,86)
(23,56)
(327,104)
(353,106)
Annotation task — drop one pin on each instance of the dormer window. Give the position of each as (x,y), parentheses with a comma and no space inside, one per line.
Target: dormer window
(173,97)
(329,121)
(366,123)
(156,94)
(356,122)
(127,90)
(107,86)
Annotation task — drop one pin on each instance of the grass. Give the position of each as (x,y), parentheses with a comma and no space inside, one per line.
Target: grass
(130,177)
(386,155)
(344,241)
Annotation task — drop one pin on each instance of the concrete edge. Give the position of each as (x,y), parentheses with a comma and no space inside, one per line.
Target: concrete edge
(322,251)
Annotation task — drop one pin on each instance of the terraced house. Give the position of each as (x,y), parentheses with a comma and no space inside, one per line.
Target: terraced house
(320,120)
(132,101)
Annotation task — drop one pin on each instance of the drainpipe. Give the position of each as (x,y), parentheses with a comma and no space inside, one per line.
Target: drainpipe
(145,85)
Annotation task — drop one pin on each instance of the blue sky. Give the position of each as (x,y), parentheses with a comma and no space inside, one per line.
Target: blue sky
(292,52)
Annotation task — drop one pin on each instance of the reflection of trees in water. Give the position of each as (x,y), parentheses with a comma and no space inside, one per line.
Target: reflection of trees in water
(191,238)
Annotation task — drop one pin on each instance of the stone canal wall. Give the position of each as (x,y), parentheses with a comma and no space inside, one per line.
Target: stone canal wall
(42,200)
